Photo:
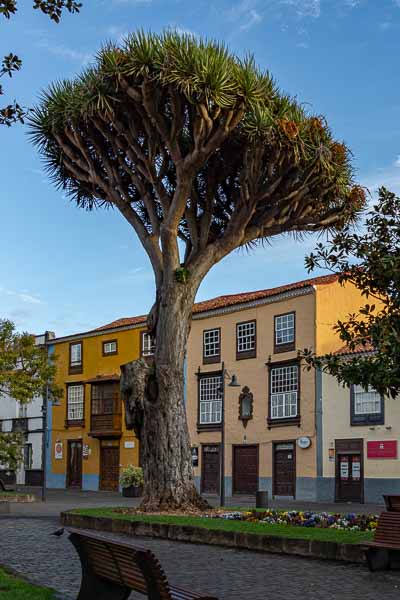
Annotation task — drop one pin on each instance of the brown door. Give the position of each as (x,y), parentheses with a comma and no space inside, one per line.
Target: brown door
(349,477)
(74,467)
(245,469)
(284,469)
(210,470)
(109,468)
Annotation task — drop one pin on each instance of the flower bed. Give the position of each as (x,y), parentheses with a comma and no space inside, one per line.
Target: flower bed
(322,520)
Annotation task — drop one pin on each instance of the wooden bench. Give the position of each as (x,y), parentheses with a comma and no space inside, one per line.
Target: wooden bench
(384,551)
(392,502)
(111,569)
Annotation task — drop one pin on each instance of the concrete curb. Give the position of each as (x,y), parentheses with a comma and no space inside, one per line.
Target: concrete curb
(4,508)
(353,553)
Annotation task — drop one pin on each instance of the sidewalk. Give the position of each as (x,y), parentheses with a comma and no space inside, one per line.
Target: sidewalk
(62,500)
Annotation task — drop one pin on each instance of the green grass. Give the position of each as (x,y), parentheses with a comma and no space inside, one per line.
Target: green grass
(288,531)
(13,588)
(2,493)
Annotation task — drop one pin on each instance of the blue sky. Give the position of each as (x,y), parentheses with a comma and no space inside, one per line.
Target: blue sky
(68,270)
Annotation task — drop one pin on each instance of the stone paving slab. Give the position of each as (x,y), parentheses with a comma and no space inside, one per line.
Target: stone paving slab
(62,500)
(27,547)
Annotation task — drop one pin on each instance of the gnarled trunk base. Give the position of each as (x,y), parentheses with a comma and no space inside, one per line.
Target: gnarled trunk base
(153,395)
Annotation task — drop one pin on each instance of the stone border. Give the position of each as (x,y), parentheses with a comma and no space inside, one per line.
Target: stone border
(18,498)
(199,535)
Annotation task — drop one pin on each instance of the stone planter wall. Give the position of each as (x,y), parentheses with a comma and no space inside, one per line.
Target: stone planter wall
(232,539)
(18,498)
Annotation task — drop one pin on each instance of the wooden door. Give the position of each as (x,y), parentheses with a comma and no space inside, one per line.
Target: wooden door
(210,469)
(284,483)
(349,476)
(245,469)
(74,467)
(109,468)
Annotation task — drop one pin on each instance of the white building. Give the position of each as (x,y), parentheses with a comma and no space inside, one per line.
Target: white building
(27,419)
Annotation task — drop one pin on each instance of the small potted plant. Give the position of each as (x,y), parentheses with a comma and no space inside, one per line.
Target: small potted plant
(131,481)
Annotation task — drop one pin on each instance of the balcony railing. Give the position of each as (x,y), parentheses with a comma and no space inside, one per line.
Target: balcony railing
(20,425)
(106,416)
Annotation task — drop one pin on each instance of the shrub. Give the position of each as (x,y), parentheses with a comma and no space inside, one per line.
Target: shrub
(131,475)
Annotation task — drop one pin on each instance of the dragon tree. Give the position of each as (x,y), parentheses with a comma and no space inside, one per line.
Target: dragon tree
(202,154)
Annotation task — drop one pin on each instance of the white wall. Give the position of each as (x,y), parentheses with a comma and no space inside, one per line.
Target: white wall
(336,425)
(9,410)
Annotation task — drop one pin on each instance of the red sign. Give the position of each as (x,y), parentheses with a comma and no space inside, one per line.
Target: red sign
(383,449)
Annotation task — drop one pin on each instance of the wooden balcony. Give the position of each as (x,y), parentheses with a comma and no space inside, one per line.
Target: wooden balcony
(106,416)
(106,425)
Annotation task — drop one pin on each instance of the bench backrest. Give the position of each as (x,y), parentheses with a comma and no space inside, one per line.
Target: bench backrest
(392,502)
(123,563)
(388,529)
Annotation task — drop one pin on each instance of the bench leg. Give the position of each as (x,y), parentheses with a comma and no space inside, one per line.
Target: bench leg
(394,559)
(92,586)
(378,559)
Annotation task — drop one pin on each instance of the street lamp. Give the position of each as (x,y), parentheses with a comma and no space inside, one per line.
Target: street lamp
(233,383)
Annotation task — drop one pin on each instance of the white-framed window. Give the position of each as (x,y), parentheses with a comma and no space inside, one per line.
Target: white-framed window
(75,402)
(27,456)
(148,344)
(75,356)
(284,391)
(211,343)
(210,399)
(110,347)
(366,402)
(22,411)
(284,329)
(246,337)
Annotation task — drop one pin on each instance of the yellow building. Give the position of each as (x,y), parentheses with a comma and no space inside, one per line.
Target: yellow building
(270,421)
(88,443)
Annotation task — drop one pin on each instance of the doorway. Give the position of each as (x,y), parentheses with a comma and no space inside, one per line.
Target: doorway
(284,469)
(74,466)
(210,469)
(245,469)
(109,466)
(349,471)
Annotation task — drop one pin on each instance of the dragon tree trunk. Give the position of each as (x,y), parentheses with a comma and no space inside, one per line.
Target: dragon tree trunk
(153,393)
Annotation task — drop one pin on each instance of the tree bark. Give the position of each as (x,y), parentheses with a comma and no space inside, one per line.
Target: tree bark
(153,393)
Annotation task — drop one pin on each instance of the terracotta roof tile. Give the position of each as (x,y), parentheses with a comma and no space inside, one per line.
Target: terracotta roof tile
(229,300)
(124,322)
(360,349)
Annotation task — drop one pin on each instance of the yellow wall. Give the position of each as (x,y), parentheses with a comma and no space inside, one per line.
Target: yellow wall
(334,302)
(94,364)
(253,372)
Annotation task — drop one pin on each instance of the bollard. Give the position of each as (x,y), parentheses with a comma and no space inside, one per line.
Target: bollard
(261,499)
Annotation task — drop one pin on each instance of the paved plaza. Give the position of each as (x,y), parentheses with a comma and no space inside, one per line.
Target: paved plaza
(61,500)
(28,547)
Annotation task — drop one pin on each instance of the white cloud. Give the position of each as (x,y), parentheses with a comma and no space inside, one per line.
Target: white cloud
(117,33)
(30,299)
(66,52)
(352,3)
(386,176)
(304,8)
(182,30)
(132,1)
(246,14)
